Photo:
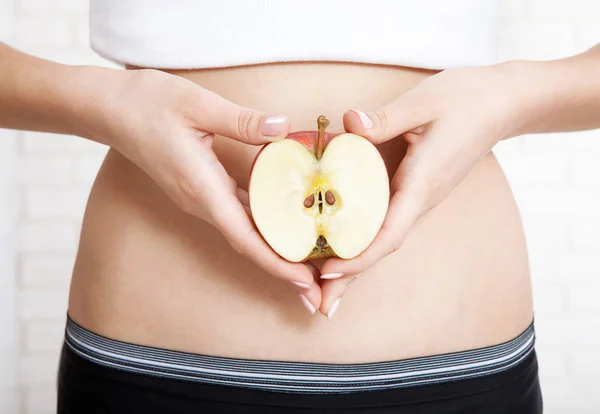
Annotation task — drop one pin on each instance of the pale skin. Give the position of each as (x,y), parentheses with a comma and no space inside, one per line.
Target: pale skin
(450,121)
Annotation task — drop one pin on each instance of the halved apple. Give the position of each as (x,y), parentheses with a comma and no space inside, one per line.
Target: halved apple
(318,195)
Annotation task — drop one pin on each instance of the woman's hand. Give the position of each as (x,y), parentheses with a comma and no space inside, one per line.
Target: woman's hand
(450,121)
(165,125)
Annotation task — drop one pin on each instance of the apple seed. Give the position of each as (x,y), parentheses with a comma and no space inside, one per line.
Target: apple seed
(309,201)
(329,198)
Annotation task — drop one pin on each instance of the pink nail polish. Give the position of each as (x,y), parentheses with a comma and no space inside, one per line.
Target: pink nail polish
(273,126)
(311,308)
(301,285)
(333,308)
(364,119)
(331,275)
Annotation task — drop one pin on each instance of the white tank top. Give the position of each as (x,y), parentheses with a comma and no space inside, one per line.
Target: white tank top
(188,34)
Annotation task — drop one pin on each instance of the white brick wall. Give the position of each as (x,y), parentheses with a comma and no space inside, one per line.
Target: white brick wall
(555,178)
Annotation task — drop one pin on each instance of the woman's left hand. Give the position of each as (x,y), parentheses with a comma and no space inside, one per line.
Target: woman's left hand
(450,121)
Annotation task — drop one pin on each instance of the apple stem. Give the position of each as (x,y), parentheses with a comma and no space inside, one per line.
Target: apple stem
(322,124)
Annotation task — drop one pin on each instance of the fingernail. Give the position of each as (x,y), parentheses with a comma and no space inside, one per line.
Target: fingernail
(333,308)
(364,119)
(332,275)
(273,126)
(311,308)
(300,284)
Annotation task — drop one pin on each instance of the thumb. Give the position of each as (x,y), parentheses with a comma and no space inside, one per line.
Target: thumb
(222,117)
(401,115)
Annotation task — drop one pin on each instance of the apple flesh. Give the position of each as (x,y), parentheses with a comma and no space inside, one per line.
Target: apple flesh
(317,195)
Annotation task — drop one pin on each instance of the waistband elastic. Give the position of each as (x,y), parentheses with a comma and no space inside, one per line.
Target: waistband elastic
(302,377)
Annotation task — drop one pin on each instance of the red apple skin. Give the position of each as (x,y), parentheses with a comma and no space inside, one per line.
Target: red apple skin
(309,139)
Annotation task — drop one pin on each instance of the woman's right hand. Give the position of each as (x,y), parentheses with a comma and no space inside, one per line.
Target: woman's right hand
(165,125)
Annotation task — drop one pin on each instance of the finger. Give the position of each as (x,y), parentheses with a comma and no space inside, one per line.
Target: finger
(414,136)
(245,240)
(243,197)
(220,116)
(314,270)
(236,226)
(211,182)
(332,292)
(230,217)
(214,192)
(311,293)
(409,111)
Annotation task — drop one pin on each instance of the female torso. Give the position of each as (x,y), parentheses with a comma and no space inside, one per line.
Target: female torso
(150,274)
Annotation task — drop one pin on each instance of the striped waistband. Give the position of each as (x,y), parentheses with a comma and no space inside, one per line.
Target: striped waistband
(304,377)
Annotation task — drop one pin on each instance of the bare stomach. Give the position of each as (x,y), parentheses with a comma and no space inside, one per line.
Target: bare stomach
(149,274)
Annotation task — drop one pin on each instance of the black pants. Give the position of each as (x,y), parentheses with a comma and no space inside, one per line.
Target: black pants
(88,388)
